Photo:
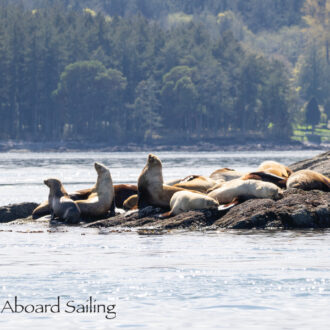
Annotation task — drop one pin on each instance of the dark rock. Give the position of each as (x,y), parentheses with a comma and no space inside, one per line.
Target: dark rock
(149,217)
(298,209)
(320,163)
(16,211)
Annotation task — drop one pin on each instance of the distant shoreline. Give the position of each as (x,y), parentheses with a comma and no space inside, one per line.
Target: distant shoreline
(16,146)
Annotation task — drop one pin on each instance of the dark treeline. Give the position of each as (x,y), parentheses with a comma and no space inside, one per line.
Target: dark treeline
(68,73)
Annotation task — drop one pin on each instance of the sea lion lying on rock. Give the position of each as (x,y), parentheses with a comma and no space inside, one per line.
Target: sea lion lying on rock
(266,177)
(226,174)
(123,192)
(276,168)
(61,205)
(245,189)
(183,201)
(261,176)
(308,180)
(131,203)
(198,183)
(186,179)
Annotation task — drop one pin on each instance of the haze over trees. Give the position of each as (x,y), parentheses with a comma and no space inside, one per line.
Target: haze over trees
(121,71)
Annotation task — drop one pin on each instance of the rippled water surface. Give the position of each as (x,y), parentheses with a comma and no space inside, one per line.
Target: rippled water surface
(182,280)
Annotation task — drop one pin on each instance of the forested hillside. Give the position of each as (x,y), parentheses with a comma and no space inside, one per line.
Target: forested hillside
(121,71)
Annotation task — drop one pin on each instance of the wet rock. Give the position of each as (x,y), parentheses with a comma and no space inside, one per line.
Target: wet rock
(320,163)
(149,217)
(16,211)
(298,209)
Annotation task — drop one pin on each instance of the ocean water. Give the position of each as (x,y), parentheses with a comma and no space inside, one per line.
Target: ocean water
(181,280)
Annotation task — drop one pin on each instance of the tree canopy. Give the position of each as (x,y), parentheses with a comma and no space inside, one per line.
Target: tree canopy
(123,71)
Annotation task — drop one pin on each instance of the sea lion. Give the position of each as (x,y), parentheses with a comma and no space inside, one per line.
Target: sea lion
(101,199)
(151,188)
(245,189)
(308,180)
(131,203)
(198,183)
(61,205)
(41,210)
(122,192)
(226,174)
(266,177)
(276,168)
(183,201)
(186,179)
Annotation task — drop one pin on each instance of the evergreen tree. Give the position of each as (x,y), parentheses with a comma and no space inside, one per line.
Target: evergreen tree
(313,114)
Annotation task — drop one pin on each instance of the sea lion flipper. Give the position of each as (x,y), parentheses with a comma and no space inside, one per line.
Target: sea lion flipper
(228,206)
(165,215)
(41,210)
(81,194)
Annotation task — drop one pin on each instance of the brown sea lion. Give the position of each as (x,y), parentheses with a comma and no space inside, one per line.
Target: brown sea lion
(266,177)
(151,188)
(186,179)
(61,205)
(308,180)
(226,174)
(198,183)
(122,192)
(245,189)
(131,203)
(276,168)
(101,199)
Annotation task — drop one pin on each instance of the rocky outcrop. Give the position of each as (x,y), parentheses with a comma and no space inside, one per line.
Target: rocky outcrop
(16,211)
(320,163)
(297,209)
(149,218)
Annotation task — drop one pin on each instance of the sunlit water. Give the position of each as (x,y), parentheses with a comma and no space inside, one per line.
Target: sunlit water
(182,280)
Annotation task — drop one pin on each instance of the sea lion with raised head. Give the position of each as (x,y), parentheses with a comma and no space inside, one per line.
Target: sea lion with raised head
(245,189)
(308,180)
(61,205)
(101,199)
(276,168)
(122,192)
(151,188)
(183,201)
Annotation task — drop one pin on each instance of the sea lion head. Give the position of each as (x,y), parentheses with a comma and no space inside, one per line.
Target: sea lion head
(100,168)
(279,194)
(104,180)
(210,203)
(53,183)
(154,161)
